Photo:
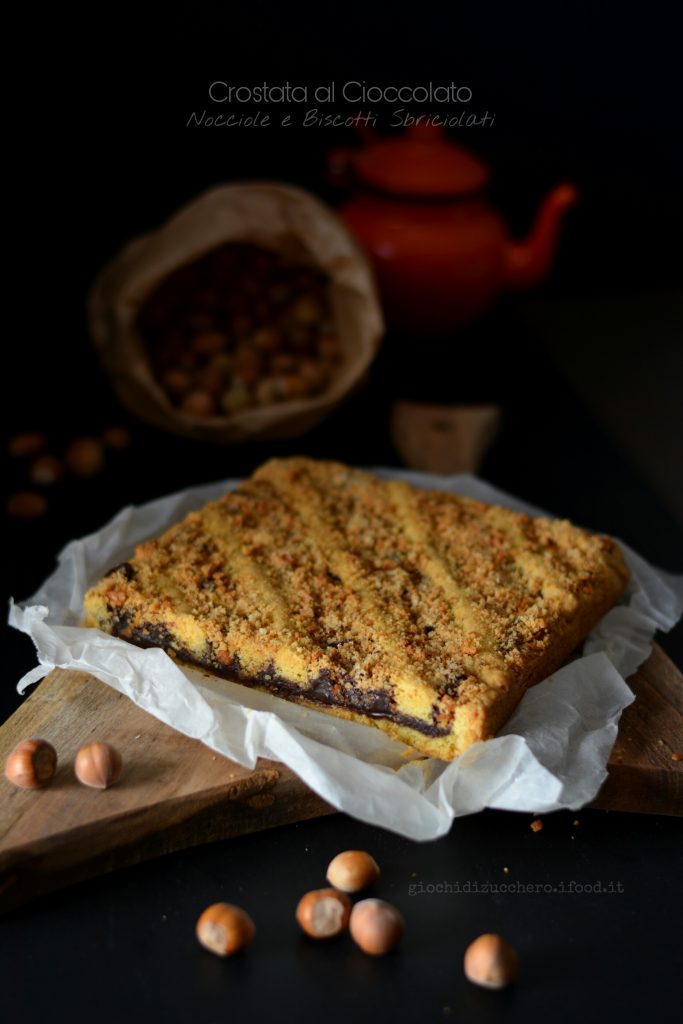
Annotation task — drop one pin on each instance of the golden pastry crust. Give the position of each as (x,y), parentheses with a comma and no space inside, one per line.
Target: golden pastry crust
(421,612)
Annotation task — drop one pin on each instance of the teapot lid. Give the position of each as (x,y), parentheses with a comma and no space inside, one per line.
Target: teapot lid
(423,162)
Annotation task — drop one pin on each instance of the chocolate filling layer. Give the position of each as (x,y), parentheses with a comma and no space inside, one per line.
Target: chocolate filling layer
(323,689)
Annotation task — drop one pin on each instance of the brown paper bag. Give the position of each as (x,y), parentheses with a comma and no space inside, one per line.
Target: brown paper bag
(275,216)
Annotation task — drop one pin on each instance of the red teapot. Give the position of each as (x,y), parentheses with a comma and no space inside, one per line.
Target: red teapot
(441,253)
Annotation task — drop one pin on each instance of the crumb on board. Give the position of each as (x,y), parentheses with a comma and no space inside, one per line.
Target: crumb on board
(536,825)
(677,757)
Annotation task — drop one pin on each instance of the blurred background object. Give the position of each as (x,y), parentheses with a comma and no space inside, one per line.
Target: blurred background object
(249,314)
(443,439)
(441,253)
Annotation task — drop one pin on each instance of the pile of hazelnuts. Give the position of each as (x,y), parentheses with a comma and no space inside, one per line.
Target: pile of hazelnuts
(375,926)
(238,328)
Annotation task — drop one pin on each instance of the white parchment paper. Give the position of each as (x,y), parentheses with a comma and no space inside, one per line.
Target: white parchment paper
(551,754)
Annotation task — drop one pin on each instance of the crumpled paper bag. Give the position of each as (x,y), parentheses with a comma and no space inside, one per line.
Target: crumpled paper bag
(274,216)
(551,754)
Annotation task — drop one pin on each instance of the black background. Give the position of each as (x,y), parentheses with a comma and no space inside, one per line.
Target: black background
(588,92)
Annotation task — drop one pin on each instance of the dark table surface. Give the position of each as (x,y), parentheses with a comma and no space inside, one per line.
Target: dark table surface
(598,935)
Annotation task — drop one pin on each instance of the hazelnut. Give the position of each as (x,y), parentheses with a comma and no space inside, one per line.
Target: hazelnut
(198,403)
(328,347)
(212,380)
(222,362)
(225,929)
(299,337)
(295,386)
(306,310)
(490,962)
(98,765)
(323,913)
(376,926)
(352,871)
(237,397)
(26,444)
(247,365)
(270,389)
(283,363)
(26,505)
(46,470)
(85,456)
(267,339)
(208,343)
(313,373)
(31,764)
(176,382)
(241,325)
(116,437)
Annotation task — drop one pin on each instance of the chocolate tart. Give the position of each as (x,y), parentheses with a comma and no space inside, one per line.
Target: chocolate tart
(423,613)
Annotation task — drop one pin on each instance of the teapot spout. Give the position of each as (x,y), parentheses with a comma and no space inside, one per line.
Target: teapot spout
(527,262)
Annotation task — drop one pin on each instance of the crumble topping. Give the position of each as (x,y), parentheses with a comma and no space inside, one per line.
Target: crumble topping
(311,570)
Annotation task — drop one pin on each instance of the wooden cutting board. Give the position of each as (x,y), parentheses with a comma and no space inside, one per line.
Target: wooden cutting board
(176,793)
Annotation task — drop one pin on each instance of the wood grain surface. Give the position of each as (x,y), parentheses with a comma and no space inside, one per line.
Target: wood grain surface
(645,773)
(176,793)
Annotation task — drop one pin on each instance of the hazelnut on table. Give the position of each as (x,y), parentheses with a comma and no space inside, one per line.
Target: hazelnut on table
(198,403)
(323,913)
(352,871)
(32,764)
(26,505)
(117,438)
(225,929)
(46,470)
(98,765)
(22,445)
(377,927)
(85,456)
(490,962)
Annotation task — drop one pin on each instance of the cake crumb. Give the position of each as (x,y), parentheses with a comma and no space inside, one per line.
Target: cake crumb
(536,825)
(677,757)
